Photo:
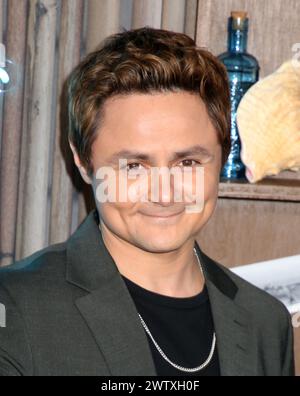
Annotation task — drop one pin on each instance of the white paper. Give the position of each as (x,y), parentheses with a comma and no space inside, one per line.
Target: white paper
(280,278)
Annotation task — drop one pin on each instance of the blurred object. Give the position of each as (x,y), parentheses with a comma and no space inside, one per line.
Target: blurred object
(8,72)
(242,69)
(4,78)
(280,278)
(2,55)
(268,118)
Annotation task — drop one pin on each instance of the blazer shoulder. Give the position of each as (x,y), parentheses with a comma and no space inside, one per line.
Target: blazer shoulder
(46,263)
(255,299)
(245,294)
(272,319)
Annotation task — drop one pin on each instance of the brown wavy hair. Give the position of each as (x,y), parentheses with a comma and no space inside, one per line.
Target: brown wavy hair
(144,60)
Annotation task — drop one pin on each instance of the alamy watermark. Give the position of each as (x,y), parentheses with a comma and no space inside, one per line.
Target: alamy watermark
(133,185)
(2,315)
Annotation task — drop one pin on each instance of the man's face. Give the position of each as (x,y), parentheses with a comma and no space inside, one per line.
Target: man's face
(160,130)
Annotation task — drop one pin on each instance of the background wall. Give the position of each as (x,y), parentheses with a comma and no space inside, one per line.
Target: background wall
(42,198)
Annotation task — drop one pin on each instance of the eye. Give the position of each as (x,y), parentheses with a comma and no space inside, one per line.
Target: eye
(135,169)
(133,166)
(190,162)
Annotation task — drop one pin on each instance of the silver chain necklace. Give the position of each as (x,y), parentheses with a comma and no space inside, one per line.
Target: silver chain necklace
(186,369)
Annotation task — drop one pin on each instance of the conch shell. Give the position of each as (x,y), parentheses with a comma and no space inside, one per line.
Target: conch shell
(268,119)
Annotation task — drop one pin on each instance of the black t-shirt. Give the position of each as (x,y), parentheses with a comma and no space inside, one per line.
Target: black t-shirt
(182,327)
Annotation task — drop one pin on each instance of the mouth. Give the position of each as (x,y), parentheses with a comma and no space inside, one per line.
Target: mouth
(162,215)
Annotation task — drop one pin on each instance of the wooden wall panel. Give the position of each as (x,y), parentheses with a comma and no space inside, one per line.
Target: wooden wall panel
(147,12)
(2,17)
(243,231)
(2,28)
(12,130)
(190,26)
(38,131)
(274,28)
(173,15)
(297,350)
(103,19)
(63,169)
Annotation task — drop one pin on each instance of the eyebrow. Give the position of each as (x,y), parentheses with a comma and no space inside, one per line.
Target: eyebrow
(130,154)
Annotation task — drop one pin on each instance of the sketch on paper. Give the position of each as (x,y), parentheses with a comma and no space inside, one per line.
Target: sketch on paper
(280,278)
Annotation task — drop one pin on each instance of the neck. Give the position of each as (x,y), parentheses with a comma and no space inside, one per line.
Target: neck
(175,273)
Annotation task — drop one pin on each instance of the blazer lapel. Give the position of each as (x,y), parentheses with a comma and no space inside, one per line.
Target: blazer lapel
(113,321)
(235,335)
(108,308)
(234,327)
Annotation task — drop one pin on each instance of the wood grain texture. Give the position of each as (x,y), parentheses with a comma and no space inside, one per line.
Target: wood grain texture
(190,26)
(126,14)
(71,21)
(103,20)
(11,131)
(173,15)
(38,143)
(3,18)
(2,12)
(268,189)
(297,350)
(288,175)
(273,28)
(244,231)
(147,12)
(2,28)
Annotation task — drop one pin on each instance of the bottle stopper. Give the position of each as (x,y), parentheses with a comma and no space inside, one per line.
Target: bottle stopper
(239,20)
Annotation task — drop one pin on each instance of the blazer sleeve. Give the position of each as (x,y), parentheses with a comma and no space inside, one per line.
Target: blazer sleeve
(15,352)
(288,368)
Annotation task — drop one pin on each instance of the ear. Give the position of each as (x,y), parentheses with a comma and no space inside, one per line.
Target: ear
(80,167)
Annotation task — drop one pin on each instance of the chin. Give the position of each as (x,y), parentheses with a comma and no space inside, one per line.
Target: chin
(160,243)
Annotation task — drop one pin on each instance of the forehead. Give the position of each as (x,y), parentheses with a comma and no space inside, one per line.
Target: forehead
(155,122)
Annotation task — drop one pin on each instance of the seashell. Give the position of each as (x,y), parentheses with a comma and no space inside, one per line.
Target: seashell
(268,119)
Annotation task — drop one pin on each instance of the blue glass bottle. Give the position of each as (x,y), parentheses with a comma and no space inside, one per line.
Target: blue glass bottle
(243,71)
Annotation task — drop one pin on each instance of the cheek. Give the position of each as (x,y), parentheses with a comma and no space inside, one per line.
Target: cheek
(115,216)
(203,184)
(211,188)
(211,185)
(209,195)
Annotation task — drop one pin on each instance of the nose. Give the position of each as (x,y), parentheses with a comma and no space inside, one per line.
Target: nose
(162,188)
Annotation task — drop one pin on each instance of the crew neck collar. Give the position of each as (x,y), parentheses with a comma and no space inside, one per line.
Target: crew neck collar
(161,299)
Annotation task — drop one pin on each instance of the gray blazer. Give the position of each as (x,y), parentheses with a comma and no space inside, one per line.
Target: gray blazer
(68,312)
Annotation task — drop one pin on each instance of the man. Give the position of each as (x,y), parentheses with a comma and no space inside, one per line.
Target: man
(131,292)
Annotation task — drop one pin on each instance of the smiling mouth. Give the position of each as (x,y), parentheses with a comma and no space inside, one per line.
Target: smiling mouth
(162,215)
